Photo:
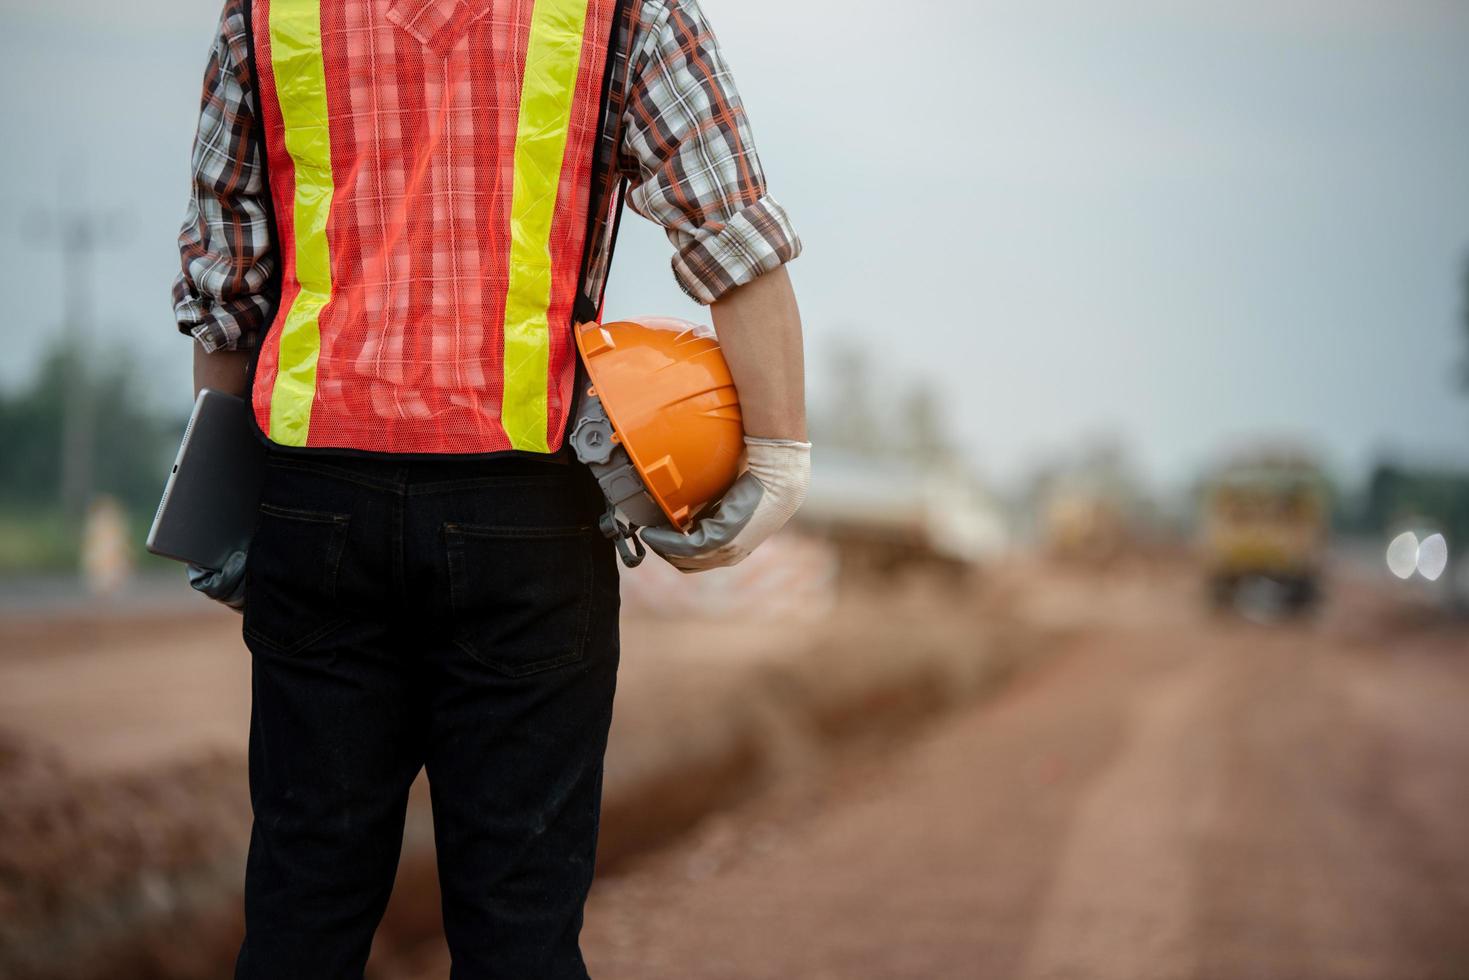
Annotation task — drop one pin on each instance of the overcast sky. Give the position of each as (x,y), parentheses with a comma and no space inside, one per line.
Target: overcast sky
(1183,224)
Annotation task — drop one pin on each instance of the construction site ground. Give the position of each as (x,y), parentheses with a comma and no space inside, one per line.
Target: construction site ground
(1043,773)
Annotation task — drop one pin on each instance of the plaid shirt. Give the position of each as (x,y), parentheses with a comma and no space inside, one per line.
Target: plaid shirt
(686,152)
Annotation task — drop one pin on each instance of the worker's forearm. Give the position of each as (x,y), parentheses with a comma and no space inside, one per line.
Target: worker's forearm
(759,329)
(224,370)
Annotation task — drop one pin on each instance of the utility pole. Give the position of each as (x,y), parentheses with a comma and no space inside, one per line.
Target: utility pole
(78,234)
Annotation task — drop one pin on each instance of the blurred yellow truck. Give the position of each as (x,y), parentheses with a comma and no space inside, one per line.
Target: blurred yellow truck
(1265,523)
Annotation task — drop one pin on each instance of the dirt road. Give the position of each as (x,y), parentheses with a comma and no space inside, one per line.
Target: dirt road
(1159,793)
(1170,797)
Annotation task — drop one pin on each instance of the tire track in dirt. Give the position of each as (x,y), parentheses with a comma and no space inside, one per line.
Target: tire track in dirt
(1123,893)
(1221,800)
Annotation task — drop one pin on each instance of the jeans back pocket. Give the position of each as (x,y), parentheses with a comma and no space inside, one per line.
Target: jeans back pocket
(521,597)
(291,574)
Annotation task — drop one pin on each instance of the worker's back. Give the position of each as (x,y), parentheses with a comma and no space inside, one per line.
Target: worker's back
(431,172)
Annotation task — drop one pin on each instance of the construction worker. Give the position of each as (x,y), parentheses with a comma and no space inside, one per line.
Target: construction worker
(400,210)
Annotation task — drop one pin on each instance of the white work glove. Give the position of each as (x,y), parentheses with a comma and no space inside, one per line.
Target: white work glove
(760,503)
(225,585)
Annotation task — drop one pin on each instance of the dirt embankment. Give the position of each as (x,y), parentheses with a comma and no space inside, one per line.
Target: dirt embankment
(124,825)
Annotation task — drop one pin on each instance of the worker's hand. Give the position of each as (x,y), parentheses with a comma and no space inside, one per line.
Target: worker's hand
(226,585)
(760,503)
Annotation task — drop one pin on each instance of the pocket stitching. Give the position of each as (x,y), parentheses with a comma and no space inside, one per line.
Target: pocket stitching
(339,546)
(589,564)
(301,644)
(455,558)
(511,531)
(331,570)
(314,516)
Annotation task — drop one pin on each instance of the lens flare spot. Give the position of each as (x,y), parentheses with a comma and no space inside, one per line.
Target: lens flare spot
(1402,555)
(1433,557)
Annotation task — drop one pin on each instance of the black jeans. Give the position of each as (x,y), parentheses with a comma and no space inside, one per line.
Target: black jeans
(459,615)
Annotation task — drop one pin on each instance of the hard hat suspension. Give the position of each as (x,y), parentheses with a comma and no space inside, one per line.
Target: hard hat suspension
(596,444)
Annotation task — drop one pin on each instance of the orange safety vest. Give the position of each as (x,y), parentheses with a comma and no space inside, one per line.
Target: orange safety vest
(432,165)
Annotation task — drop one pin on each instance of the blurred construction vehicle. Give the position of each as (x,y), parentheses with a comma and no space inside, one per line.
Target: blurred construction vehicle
(1080,526)
(1090,508)
(1264,531)
(886,516)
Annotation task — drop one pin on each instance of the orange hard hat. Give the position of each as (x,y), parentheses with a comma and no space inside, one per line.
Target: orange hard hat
(660,421)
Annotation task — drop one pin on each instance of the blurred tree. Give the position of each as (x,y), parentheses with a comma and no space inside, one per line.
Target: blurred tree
(1464,317)
(129,448)
(1439,497)
(924,427)
(850,420)
(30,431)
(870,413)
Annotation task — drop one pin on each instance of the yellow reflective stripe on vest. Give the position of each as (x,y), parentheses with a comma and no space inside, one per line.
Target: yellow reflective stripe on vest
(300,79)
(553,61)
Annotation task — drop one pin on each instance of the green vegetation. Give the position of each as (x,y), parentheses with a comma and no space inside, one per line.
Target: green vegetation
(130,449)
(1397,494)
(40,542)
(1464,319)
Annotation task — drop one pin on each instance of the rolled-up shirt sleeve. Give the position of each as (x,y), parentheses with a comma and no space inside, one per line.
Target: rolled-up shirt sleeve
(226,246)
(690,159)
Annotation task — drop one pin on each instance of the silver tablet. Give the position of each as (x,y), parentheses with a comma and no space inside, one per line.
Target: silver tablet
(209,505)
